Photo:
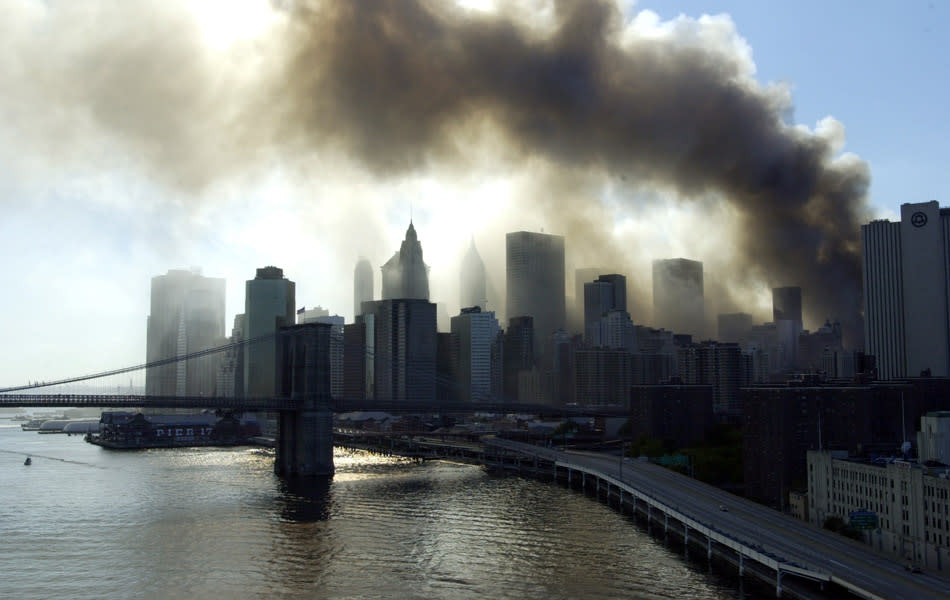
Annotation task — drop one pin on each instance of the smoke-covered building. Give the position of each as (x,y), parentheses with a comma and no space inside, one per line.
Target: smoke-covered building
(362,285)
(678,302)
(813,346)
(787,316)
(231,370)
(472,281)
(905,267)
(535,281)
(186,315)
(606,293)
(405,275)
(734,327)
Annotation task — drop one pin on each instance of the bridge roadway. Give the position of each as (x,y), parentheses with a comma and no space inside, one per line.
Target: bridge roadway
(759,533)
(280,404)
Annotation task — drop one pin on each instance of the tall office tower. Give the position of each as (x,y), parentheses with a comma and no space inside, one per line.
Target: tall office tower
(606,293)
(678,296)
(575,305)
(362,285)
(734,327)
(187,315)
(321,315)
(268,305)
(517,354)
(231,371)
(405,275)
(905,268)
(535,281)
(787,315)
(479,361)
(405,348)
(472,284)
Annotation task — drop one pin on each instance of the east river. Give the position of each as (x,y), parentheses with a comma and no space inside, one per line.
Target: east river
(85,522)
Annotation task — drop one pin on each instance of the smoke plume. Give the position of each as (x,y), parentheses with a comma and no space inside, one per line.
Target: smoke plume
(403,87)
(401,84)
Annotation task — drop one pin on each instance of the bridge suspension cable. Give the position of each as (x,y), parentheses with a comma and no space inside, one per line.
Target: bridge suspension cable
(154,363)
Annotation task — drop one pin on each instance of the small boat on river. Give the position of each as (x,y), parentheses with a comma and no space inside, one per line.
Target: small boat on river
(28,461)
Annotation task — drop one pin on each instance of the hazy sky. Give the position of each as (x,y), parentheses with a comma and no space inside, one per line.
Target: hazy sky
(145,136)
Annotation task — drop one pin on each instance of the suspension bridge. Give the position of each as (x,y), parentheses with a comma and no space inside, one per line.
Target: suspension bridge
(304,404)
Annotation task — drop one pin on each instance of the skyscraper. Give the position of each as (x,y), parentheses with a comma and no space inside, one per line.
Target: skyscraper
(606,293)
(535,281)
(472,288)
(268,305)
(517,354)
(787,315)
(405,275)
(404,360)
(187,315)
(678,296)
(362,285)
(479,361)
(905,266)
(322,315)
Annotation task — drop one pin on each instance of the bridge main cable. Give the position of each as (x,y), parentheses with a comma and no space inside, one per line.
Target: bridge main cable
(148,365)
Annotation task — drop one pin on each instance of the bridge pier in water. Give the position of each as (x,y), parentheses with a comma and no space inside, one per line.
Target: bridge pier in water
(304,443)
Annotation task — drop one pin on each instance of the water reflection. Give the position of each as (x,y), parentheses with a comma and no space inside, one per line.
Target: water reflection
(304,499)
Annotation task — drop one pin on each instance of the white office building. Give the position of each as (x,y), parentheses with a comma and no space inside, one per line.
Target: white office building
(905,270)
(479,356)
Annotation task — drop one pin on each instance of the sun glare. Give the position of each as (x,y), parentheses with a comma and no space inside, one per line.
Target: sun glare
(226,22)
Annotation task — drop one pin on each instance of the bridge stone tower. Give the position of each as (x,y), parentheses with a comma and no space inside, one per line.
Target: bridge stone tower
(305,435)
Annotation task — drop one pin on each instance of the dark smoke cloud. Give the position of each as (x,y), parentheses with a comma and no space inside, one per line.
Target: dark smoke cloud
(405,86)
(401,84)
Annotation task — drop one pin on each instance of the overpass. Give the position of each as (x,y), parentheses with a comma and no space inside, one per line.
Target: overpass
(783,549)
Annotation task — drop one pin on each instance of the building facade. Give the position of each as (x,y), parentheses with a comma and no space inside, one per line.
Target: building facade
(604,294)
(911,503)
(678,302)
(405,342)
(517,354)
(535,281)
(479,357)
(186,316)
(362,285)
(269,303)
(905,273)
(405,275)
(472,280)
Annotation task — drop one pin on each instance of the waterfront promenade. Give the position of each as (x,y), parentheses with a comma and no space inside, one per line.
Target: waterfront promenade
(738,529)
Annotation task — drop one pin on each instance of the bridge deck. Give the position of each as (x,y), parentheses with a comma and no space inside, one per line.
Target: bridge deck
(759,533)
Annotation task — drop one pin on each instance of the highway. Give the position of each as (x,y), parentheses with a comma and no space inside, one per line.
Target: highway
(854,565)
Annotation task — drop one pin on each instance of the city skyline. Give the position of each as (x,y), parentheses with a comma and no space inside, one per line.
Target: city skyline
(85,236)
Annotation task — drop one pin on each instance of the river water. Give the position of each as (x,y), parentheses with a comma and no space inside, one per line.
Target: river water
(85,522)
